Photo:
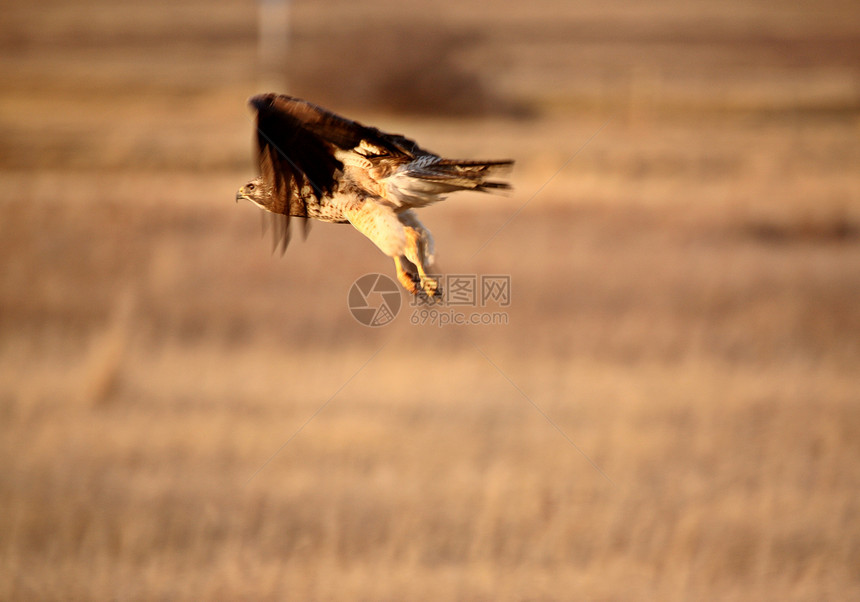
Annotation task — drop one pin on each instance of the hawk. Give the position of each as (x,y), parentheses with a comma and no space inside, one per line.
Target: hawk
(315,164)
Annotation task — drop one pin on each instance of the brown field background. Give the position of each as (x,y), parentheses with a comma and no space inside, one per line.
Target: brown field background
(672,411)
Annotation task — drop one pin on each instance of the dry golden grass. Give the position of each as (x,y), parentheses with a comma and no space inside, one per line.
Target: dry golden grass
(672,411)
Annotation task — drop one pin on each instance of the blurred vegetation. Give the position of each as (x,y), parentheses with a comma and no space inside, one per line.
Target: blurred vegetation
(684,309)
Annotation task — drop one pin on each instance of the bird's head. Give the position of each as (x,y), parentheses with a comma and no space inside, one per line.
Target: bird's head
(258,192)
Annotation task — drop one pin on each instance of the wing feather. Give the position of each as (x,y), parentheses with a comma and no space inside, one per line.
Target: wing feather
(297,142)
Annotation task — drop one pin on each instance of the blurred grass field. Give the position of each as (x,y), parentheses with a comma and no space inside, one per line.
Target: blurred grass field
(672,411)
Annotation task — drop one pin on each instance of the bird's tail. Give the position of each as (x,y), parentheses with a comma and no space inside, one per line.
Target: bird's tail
(456,174)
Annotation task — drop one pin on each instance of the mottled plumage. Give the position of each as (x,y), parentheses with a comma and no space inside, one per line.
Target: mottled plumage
(317,165)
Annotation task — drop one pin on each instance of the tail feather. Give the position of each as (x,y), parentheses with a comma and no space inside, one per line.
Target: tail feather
(463,174)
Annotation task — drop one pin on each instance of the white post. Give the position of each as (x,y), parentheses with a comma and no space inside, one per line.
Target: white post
(273,44)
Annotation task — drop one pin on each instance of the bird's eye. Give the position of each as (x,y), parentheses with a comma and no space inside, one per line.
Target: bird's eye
(251,187)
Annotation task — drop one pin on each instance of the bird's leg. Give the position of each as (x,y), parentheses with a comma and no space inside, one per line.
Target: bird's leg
(406,277)
(402,238)
(416,253)
(419,250)
(380,225)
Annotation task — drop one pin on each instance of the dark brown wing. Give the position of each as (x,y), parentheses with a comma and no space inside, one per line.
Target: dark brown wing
(297,140)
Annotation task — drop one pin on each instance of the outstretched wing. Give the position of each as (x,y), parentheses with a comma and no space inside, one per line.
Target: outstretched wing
(298,141)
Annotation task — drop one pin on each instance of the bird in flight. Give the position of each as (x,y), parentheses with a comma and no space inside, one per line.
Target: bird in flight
(316,164)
